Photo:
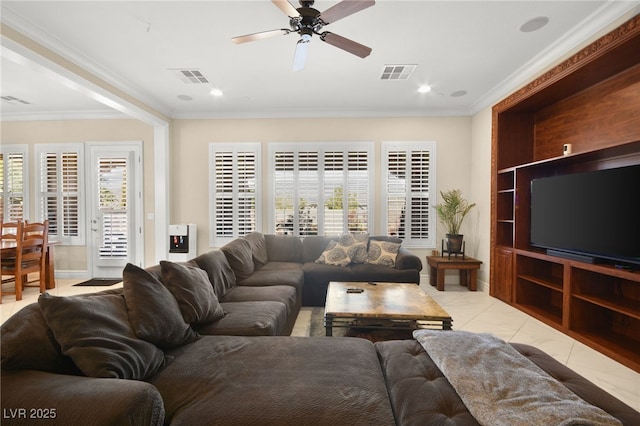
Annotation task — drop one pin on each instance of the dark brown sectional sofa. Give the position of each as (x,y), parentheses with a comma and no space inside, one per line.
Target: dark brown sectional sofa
(205,342)
(278,257)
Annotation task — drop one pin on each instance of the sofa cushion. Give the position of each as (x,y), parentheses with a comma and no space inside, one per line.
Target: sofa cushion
(335,254)
(419,392)
(283,248)
(26,330)
(258,248)
(192,289)
(275,381)
(282,266)
(319,273)
(249,319)
(268,277)
(240,257)
(284,294)
(154,313)
(215,264)
(371,272)
(95,332)
(383,253)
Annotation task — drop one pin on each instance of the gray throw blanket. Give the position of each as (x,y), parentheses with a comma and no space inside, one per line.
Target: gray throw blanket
(500,386)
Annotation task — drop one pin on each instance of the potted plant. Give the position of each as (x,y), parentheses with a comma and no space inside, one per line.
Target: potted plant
(451,213)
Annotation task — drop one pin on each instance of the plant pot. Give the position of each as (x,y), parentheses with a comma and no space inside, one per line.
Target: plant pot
(454,243)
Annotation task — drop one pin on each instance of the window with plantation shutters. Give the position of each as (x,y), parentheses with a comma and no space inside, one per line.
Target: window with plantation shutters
(113,204)
(234,196)
(320,189)
(59,175)
(13,182)
(409,185)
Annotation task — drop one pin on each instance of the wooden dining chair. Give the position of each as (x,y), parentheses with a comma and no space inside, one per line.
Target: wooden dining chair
(31,248)
(8,232)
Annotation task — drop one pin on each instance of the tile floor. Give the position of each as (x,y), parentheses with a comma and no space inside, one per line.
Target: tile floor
(471,311)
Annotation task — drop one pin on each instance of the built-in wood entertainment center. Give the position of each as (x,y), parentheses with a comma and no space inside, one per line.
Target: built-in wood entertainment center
(591,101)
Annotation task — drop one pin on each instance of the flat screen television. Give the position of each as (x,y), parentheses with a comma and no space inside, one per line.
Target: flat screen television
(592,216)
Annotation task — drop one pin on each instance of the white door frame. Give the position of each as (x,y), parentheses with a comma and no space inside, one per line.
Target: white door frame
(136,209)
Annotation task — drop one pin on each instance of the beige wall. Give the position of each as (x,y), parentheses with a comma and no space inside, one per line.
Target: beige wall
(74,258)
(191,138)
(463,154)
(480,183)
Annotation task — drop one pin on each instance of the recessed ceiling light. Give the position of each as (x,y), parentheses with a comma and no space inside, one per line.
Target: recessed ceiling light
(216,92)
(424,89)
(458,93)
(185,97)
(534,24)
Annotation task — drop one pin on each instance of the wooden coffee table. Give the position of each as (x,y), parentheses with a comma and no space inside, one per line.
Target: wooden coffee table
(383,306)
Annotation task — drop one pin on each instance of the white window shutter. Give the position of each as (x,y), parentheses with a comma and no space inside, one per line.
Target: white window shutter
(13,182)
(234,195)
(409,185)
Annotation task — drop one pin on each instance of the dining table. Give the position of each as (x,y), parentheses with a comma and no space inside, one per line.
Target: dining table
(8,249)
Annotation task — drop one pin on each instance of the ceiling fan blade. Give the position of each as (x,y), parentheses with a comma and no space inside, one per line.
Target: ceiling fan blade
(345,44)
(259,36)
(343,9)
(286,7)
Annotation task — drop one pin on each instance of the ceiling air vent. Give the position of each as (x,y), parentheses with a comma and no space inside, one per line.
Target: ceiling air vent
(14,100)
(191,76)
(397,72)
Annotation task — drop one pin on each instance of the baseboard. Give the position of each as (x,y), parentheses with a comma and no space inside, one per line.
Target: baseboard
(70,274)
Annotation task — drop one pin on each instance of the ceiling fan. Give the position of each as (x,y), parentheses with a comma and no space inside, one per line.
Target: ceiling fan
(307,21)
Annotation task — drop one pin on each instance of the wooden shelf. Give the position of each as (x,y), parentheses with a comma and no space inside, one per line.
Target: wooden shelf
(591,101)
(615,304)
(548,284)
(549,316)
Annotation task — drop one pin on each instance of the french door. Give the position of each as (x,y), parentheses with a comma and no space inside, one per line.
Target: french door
(114,174)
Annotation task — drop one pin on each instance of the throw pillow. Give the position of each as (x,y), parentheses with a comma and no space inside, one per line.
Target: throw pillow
(192,289)
(154,313)
(95,332)
(383,253)
(23,332)
(240,257)
(220,274)
(355,245)
(258,248)
(334,254)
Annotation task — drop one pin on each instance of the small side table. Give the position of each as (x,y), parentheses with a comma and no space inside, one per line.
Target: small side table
(439,264)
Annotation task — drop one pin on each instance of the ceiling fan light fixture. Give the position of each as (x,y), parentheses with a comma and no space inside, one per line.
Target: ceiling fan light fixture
(300,55)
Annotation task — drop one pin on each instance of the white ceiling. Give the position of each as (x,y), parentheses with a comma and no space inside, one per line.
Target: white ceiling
(471,46)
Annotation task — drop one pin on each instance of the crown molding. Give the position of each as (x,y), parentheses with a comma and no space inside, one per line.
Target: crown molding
(65,115)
